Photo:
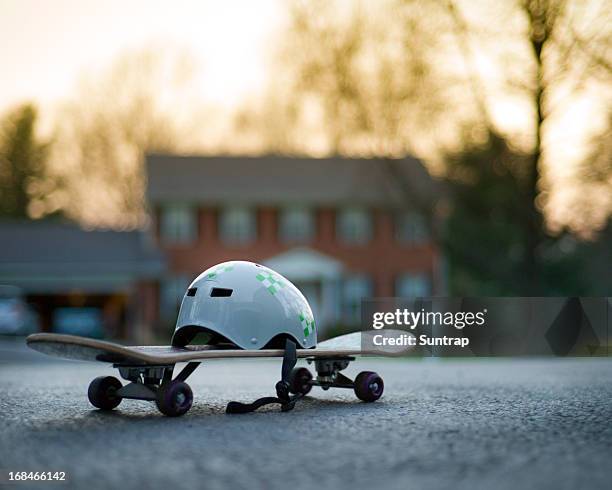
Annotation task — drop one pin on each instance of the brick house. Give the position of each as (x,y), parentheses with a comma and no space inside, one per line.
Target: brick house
(338,228)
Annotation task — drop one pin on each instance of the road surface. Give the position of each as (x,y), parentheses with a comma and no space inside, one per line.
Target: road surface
(466,424)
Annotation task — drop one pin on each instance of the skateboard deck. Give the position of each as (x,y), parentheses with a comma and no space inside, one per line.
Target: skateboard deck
(86,349)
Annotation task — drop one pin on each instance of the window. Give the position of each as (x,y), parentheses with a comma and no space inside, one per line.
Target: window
(355,288)
(178,224)
(238,225)
(410,227)
(171,294)
(412,286)
(296,225)
(354,225)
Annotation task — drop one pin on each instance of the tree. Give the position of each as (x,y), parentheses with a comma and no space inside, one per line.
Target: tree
(556,48)
(484,234)
(22,162)
(104,132)
(503,212)
(356,79)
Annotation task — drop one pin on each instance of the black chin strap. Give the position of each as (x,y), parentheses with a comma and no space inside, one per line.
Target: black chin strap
(286,401)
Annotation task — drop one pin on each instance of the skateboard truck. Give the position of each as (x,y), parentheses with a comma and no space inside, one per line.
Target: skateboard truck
(328,372)
(153,375)
(146,382)
(283,396)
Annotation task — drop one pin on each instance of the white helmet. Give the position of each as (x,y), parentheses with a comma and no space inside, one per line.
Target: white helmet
(247,305)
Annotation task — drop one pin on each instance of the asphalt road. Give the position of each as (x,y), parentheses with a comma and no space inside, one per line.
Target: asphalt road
(473,424)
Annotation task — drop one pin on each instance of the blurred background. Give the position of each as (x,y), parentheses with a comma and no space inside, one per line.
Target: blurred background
(360,148)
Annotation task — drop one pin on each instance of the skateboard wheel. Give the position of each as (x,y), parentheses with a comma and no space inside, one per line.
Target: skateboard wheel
(369,386)
(299,381)
(174,398)
(102,392)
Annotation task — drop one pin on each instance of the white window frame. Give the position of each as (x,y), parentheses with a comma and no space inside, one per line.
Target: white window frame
(348,225)
(296,224)
(178,223)
(238,225)
(413,285)
(411,227)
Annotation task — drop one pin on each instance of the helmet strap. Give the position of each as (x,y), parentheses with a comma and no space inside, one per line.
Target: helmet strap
(286,401)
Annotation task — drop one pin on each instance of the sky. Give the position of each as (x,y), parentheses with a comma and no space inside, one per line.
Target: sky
(45,46)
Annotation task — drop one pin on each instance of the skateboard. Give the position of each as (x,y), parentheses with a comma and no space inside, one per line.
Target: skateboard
(149,370)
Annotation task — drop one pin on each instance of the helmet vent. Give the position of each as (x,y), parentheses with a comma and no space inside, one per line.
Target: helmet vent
(220,292)
(191,291)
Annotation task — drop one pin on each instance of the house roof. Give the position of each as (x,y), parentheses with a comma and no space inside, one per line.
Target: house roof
(66,255)
(286,180)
